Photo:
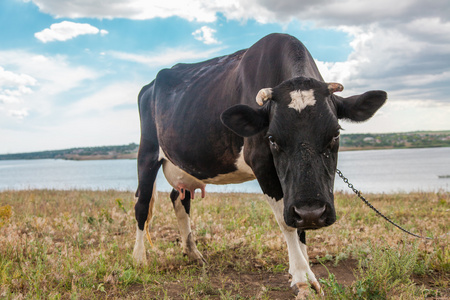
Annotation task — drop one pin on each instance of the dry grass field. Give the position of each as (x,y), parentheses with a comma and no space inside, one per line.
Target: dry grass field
(78,245)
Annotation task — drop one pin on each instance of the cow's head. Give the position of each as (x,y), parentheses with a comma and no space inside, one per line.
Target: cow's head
(299,120)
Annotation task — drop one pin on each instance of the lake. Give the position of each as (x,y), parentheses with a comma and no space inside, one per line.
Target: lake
(370,171)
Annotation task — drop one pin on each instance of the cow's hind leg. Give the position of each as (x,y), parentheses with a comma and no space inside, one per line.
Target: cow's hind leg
(139,246)
(182,211)
(148,166)
(298,259)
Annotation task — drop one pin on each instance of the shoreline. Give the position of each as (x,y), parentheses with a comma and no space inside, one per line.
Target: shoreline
(134,155)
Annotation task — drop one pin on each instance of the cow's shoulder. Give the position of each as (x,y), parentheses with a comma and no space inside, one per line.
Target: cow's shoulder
(185,73)
(278,43)
(278,37)
(168,78)
(213,62)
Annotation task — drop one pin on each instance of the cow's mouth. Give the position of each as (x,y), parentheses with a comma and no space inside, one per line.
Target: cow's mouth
(311,217)
(309,228)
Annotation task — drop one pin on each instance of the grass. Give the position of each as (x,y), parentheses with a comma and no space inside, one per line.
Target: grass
(78,245)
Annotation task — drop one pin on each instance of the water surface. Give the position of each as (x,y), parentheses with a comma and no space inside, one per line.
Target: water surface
(379,171)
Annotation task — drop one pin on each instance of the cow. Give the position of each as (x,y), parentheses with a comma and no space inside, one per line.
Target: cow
(202,124)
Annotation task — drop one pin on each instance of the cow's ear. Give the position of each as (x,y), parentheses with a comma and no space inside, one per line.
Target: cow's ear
(244,120)
(360,107)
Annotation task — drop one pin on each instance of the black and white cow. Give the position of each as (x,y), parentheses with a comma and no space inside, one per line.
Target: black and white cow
(202,124)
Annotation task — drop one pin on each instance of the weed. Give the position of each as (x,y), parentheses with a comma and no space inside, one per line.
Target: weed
(104,214)
(386,270)
(326,258)
(120,204)
(204,286)
(279,268)
(381,274)
(128,277)
(5,214)
(332,287)
(340,257)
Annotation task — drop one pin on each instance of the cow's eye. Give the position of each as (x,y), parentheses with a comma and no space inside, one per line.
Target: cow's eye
(336,138)
(335,141)
(332,145)
(272,142)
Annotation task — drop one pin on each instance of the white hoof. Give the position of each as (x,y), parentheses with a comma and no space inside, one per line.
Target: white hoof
(302,290)
(192,251)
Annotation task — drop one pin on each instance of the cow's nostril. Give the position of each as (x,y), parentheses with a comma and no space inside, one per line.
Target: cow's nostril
(310,218)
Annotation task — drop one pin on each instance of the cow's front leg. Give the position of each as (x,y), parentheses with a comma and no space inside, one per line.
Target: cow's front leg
(298,258)
(182,211)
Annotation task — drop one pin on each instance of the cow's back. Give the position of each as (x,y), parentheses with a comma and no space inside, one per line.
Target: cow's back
(186,101)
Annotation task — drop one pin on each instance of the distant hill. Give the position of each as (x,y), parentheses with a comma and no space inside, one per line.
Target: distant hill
(86,153)
(418,139)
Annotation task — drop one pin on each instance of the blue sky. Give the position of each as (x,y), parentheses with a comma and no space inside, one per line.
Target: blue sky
(70,71)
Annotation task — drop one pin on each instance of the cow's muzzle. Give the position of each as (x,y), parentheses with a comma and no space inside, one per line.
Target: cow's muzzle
(311,217)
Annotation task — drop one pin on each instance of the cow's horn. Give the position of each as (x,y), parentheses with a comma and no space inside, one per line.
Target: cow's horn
(335,87)
(263,96)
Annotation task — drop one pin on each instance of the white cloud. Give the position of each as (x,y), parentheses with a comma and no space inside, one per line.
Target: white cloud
(67,105)
(14,85)
(19,114)
(13,96)
(411,36)
(391,59)
(429,29)
(57,76)
(348,12)
(8,78)
(113,96)
(198,10)
(404,115)
(206,35)
(67,30)
(28,84)
(327,13)
(166,57)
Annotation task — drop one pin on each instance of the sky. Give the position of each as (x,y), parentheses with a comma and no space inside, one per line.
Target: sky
(71,70)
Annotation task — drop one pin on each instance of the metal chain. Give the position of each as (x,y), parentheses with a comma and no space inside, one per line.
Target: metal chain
(358,193)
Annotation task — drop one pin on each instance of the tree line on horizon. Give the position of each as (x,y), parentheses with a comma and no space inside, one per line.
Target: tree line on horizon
(417,139)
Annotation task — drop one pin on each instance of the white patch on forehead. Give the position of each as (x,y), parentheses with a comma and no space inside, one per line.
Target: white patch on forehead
(301,99)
